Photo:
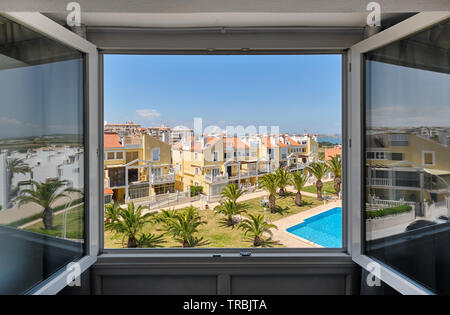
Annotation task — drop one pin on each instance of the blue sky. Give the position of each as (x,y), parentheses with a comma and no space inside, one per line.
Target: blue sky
(42,99)
(407,97)
(294,92)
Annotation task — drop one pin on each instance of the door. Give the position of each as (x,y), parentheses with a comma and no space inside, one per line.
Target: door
(49,81)
(400,104)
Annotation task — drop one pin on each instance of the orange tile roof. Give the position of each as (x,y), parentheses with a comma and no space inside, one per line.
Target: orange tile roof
(108,191)
(292,142)
(266,141)
(111,140)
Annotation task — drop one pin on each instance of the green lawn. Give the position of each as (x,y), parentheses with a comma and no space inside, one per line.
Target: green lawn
(75,224)
(328,187)
(221,236)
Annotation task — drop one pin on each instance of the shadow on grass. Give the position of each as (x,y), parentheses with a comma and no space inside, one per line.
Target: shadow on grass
(223,222)
(305,203)
(281,211)
(286,194)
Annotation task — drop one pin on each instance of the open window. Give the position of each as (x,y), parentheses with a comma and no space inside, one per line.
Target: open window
(205,128)
(400,203)
(49,154)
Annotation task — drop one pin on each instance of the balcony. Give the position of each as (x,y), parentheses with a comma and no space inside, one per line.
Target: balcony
(163,179)
(380,181)
(248,173)
(214,179)
(398,182)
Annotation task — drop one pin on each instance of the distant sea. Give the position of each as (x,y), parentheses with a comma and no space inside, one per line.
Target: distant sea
(330,139)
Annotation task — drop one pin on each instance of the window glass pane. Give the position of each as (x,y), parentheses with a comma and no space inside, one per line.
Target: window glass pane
(41,157)
(263,118)
(407,204)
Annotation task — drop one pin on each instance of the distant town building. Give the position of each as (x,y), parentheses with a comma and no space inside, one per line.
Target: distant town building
(162,133)
(179,133)
(125,129)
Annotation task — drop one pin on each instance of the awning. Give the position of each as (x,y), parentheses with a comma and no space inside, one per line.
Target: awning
(436,171)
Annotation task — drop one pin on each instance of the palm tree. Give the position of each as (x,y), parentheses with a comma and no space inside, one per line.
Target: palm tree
(130,223)
(184,225)
(45,195)
(16,166)
(232,192)
(284,179)
(269,182)
(299,180)
(150,240)
(228,208)
(318,170)
(256,226)
(112,212)
(335,166)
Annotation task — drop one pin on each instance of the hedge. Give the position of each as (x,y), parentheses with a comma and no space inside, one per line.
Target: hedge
(387,211)
(196,190)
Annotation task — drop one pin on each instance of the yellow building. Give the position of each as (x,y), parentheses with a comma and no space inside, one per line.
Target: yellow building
(215,161)
(409,167)
(137,166)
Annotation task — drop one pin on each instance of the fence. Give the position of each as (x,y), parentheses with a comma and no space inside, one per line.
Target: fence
(166,200)
(375,204)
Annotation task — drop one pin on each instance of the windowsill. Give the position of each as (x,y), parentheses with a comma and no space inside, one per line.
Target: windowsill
(222,253)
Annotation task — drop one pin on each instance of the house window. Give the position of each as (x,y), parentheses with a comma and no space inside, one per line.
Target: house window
(428,158)
(402,215)
(155,154)
(42,89)
(119,155)
(400,140)
(111,155)
(397,156)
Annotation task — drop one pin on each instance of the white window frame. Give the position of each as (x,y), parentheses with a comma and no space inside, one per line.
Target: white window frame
(354,126)
(50,29)
(115,155)
(153,155)
(433,157)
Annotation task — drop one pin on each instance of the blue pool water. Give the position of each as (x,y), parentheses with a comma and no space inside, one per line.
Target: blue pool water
(324,229)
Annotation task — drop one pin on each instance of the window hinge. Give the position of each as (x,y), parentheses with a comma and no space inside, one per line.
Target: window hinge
(349,143)
(350,67)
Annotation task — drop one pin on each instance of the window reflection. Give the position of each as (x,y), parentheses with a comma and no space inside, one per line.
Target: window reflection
(41,157)
(407,207)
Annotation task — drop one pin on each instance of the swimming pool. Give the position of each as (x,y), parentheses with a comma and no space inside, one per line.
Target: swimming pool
(324,229)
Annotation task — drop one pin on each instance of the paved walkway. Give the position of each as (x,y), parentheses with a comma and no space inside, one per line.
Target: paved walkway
(11,215)
(291,240)
(259,193)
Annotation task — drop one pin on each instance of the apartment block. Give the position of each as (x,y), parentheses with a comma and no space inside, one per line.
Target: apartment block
(409,166)
(213,161)
(136,167)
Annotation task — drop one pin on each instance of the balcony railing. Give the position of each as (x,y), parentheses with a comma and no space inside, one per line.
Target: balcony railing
(163,179)
(209,178)
(249,173)
(380,181)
